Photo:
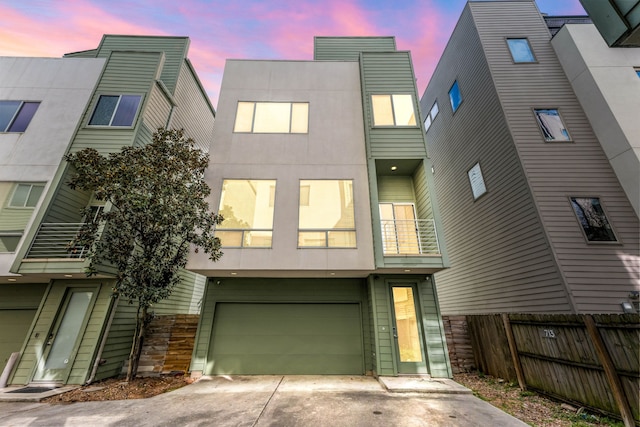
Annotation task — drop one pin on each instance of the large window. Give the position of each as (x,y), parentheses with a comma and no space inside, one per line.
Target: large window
(247,207)
(431,116)
(520,50)
(326,216)
(272,117)
(26,195)
(551,125)
(115,110)
(455,96)
(15,116)
(393,110)
(593,219)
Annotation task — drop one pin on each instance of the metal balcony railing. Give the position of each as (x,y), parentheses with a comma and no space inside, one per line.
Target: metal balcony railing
(409,237)
(54,240)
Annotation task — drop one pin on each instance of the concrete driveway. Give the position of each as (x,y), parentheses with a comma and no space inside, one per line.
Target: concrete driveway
(276,401)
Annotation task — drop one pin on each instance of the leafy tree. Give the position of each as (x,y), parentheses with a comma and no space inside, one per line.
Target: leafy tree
(156,196)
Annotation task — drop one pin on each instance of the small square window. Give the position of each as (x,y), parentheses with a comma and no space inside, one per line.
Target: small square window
(431,116)
(477,181)
(15,116)
(520,50)
(115,110)
(593,219)
(638,72)
(551,125)
(26,195)
(454,96)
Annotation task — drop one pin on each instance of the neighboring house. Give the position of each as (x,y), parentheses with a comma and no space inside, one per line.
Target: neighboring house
(617,20)
(329,239)
(116,95)
(535,216)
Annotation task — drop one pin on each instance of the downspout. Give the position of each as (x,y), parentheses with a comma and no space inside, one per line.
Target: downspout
(103,342)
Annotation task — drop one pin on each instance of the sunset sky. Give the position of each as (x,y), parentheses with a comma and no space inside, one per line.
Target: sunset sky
(249,29)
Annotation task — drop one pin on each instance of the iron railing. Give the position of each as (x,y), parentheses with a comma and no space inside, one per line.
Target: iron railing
(409,237)
(55,240)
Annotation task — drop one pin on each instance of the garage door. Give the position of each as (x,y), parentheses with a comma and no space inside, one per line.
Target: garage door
(286,339)
(14,326)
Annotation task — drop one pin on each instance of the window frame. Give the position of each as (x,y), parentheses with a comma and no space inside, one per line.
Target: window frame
(513,59)
(484,183)
(16,115)
(540,129)
(326,231)
(430,116)
(455,108)
(605,214)
(31,186)
(393,110)
(637,70)
(244,231)
(253,117)
(134,118)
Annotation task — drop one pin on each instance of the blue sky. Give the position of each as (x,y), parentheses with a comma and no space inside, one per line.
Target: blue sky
(251,29)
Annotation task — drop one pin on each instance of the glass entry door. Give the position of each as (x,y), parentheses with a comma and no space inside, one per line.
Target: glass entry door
(62,343)
(399,229)
(407,331)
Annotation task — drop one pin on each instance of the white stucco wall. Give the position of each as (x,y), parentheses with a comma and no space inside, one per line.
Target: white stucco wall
(605,82)
(63,86)
(334,148)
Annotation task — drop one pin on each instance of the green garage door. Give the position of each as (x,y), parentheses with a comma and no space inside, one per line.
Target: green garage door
(290,339)
(14,326)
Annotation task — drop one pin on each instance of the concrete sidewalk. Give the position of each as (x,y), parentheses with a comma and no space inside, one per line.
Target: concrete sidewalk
(275,401)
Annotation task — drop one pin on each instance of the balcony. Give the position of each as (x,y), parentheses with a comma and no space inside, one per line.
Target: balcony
(409,237)
(54,240)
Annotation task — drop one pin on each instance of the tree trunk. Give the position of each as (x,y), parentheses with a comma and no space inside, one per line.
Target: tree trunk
(138,338)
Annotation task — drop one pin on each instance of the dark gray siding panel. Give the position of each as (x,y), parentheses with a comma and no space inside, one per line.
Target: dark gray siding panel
(598,276)
(498,254)
(349,48)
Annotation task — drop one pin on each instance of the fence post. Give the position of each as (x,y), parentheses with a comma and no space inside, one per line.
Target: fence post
(513,349)
(610,371)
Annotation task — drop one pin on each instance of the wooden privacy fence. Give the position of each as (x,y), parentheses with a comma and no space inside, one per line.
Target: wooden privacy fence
(590,360)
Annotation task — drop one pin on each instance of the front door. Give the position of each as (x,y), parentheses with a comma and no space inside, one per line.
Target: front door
(407,331)
(62,344)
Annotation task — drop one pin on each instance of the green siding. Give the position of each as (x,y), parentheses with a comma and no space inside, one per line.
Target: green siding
(390,73)
(91,53)
(119,340)
(185,298)
(158,108)
(174,48)
(14,219)
(433,329)
(423,196)
(67,204)
(194,112)
(395,189)
(349,48)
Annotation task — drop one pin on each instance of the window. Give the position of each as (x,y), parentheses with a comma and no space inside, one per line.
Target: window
(454,96)
(638,71)
(431,116)
(272,117)
(115,110)
(326,216)
(477,181)
(551,125)
(26,195)
(15,116)
(247,208)
(520,50)
(593,220)
(393,110)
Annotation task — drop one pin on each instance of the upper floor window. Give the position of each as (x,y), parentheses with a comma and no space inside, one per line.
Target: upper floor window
(478,188)
(593,219)
(431,116)
(115,110)
(393,110)
(551,125)
(247,206)
(326,214)
(272,117)
(638,71)
(455,96)
(26,195)
(15,116)
(520,50)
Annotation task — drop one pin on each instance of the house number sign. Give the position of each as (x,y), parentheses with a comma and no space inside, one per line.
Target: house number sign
(548,333)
